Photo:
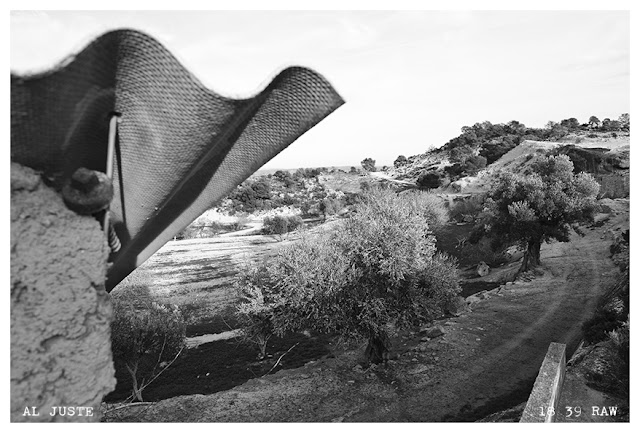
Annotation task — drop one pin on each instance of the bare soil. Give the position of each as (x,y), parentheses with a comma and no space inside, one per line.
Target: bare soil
(486,361)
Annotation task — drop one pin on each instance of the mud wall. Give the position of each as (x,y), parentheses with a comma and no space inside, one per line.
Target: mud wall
(60,314)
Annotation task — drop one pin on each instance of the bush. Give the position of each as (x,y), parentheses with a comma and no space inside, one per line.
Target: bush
(281,224)
(597,328)
(379,269)
(430,206)
(368,164)
(255,317)
(400,161)
(474,164)
(468,208)
(429,180)
(144,334)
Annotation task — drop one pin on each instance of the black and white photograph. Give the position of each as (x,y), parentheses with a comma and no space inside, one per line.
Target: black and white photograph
(412,213)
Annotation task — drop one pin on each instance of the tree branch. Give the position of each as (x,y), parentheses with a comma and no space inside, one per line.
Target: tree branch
(278,361)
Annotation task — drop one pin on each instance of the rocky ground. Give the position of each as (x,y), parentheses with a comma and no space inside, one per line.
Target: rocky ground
(485,361)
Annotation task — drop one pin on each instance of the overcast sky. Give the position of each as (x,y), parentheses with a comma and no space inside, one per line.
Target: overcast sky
(410,79)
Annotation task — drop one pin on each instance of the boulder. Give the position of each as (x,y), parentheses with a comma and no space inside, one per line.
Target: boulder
(483,269)
(432,331)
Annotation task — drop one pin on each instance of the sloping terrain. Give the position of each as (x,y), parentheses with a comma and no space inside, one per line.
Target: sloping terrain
(486,360)
(515,159)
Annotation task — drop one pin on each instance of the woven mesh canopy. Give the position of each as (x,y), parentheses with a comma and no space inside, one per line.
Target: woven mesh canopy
(180,148)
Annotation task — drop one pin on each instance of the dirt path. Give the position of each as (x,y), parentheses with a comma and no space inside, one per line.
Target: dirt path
(486,361)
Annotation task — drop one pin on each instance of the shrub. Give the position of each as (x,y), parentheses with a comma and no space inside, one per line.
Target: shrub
(368,164)
(430,206)
(467,208)
(144,334)
(379,269)
(255,317)
(400,161)
(429,180)
(281,224)
(597,328)
(474,164)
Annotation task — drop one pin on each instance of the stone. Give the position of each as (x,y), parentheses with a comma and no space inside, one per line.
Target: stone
(472,300)
(431,332)
(483,269)
(418,369)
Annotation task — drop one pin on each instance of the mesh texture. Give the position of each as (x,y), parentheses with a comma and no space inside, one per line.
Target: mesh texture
(181,147)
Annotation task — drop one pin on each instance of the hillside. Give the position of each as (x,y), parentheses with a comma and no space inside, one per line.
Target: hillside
(503,322)
(608,157)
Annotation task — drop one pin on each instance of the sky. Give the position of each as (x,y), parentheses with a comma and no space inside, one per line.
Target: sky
(411,79)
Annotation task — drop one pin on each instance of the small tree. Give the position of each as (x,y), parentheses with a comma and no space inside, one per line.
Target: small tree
(473,164)
(254,315)
(594,122)
(368,164)
(377,270)
(400,161)
(281,224)
(144,334)
(539,205)
(625,122)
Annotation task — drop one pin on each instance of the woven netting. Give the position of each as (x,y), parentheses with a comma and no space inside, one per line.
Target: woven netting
(181,147)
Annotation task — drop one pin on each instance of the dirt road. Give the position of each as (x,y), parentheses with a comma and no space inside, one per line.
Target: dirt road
(486,361)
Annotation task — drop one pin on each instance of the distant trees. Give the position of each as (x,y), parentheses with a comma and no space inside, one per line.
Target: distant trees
(624,122)
(380,269)
(556,130)
(252,196)
(368,164)
(281,224)
(571,124)
(400,161)
(539,205)
(594,122)
(610,125)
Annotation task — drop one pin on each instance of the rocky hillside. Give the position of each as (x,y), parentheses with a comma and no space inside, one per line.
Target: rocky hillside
(604,155)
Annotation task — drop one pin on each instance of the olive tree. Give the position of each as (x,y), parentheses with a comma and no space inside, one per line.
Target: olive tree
(145,334)
(378,270)
(539,205)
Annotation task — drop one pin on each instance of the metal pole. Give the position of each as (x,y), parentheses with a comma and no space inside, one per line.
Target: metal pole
(111,145)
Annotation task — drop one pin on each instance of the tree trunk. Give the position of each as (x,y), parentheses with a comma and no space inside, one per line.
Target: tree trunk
(377,350)
(531,257)
(137,393)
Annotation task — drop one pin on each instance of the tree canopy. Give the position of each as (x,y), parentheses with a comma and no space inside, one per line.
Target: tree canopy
(368,164)
(379,269)
(539,205)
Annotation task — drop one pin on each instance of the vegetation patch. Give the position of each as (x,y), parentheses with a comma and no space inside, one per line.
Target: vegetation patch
(222,365)
(377,271)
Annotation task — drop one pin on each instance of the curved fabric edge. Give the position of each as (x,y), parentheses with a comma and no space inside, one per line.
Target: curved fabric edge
(182,147)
